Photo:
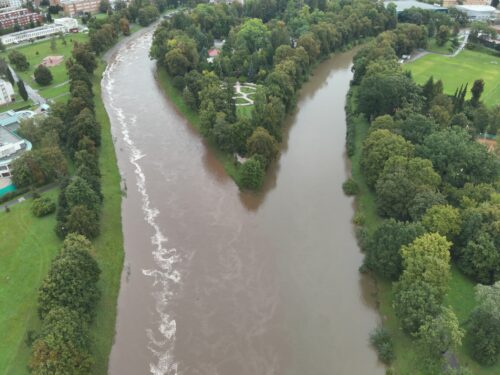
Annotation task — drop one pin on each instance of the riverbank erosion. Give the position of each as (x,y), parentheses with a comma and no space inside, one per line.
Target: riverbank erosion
(221,281)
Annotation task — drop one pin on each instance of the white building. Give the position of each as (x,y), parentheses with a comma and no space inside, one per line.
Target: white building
(6,5)
(6,92)
(32,34)
(478,12)
(11,145)
(67,22)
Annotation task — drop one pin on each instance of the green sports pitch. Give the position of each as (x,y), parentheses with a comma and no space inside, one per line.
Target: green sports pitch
(464,68)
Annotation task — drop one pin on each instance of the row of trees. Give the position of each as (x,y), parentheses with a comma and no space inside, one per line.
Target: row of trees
(66,306)
(438,189)
(276,51)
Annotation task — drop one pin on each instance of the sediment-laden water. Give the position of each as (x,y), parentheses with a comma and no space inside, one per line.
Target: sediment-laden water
(221,282)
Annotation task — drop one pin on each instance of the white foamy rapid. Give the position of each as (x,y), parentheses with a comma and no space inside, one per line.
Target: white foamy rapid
(162,338)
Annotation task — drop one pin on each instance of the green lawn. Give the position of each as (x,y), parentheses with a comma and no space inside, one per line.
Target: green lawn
(444,49)
(37,51)
(17,105)
(466,67)
(27,246)
(460,296)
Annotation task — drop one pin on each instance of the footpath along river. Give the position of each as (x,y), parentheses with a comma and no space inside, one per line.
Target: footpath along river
(220,282)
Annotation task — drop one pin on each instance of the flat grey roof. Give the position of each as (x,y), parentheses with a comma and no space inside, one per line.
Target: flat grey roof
(407,4)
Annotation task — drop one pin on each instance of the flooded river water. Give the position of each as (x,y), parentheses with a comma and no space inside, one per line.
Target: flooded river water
(220,282)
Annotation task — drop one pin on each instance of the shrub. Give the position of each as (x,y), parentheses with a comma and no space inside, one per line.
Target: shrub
(43,76)
(43,206)
(350,187)
(179,83)
(382,341)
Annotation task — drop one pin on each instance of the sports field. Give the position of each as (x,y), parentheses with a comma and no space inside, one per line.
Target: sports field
(464,68)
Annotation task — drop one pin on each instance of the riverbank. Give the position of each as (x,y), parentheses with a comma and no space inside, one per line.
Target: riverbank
(460,296)
(175,96)
(109,245)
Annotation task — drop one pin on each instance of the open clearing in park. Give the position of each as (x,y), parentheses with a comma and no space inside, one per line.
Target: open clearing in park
(464,68)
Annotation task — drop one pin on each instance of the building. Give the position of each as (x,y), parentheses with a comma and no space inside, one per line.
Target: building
(21,17)
(77,7)
(452,3)
(7,5)
(6,92)
(11,145)
(69,24)
(402,5)
(32,34)
(478,12)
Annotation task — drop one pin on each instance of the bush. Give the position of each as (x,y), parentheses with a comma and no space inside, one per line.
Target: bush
(252,174)
(382,342)
(179,83)
(350,187)
(43,76)
(43,206)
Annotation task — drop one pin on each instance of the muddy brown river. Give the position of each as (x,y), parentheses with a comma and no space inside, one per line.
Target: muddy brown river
(220,282)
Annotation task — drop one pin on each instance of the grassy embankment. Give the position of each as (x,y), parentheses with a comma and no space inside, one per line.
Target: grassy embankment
(39,245)
(175,96)
(460,296)
(464,68)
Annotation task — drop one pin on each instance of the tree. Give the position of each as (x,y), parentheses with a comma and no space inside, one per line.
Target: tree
(53,45)
(104,6)
(147,15)
(176,62)
(83,55)
(39,167)
(83,221)
(78,192)
(2,46)
(440,334)
(378,147)
(384,93)
(423,284)
(62,347)
(43,76)
(484,328)
(476,91)
(19,60)
(262,144)
(22,90)
(443,219)
(72,283)
(124,26)
(442,35)
(252,174)
(83,125)
(416,127)
(458,159)
(423,201)
(383,248)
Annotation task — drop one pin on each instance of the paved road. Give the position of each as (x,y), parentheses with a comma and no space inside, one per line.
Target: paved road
(32,93)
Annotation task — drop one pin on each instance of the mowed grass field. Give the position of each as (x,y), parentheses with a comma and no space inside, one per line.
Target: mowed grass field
(35,53)
(27,246)
(464,68)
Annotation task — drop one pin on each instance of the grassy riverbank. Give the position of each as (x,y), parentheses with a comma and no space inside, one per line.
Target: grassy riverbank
(30,245)
(175,96)
(460,296)
(109,245)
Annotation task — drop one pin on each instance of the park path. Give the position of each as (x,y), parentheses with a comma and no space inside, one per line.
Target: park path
(244,95)
(421,53)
